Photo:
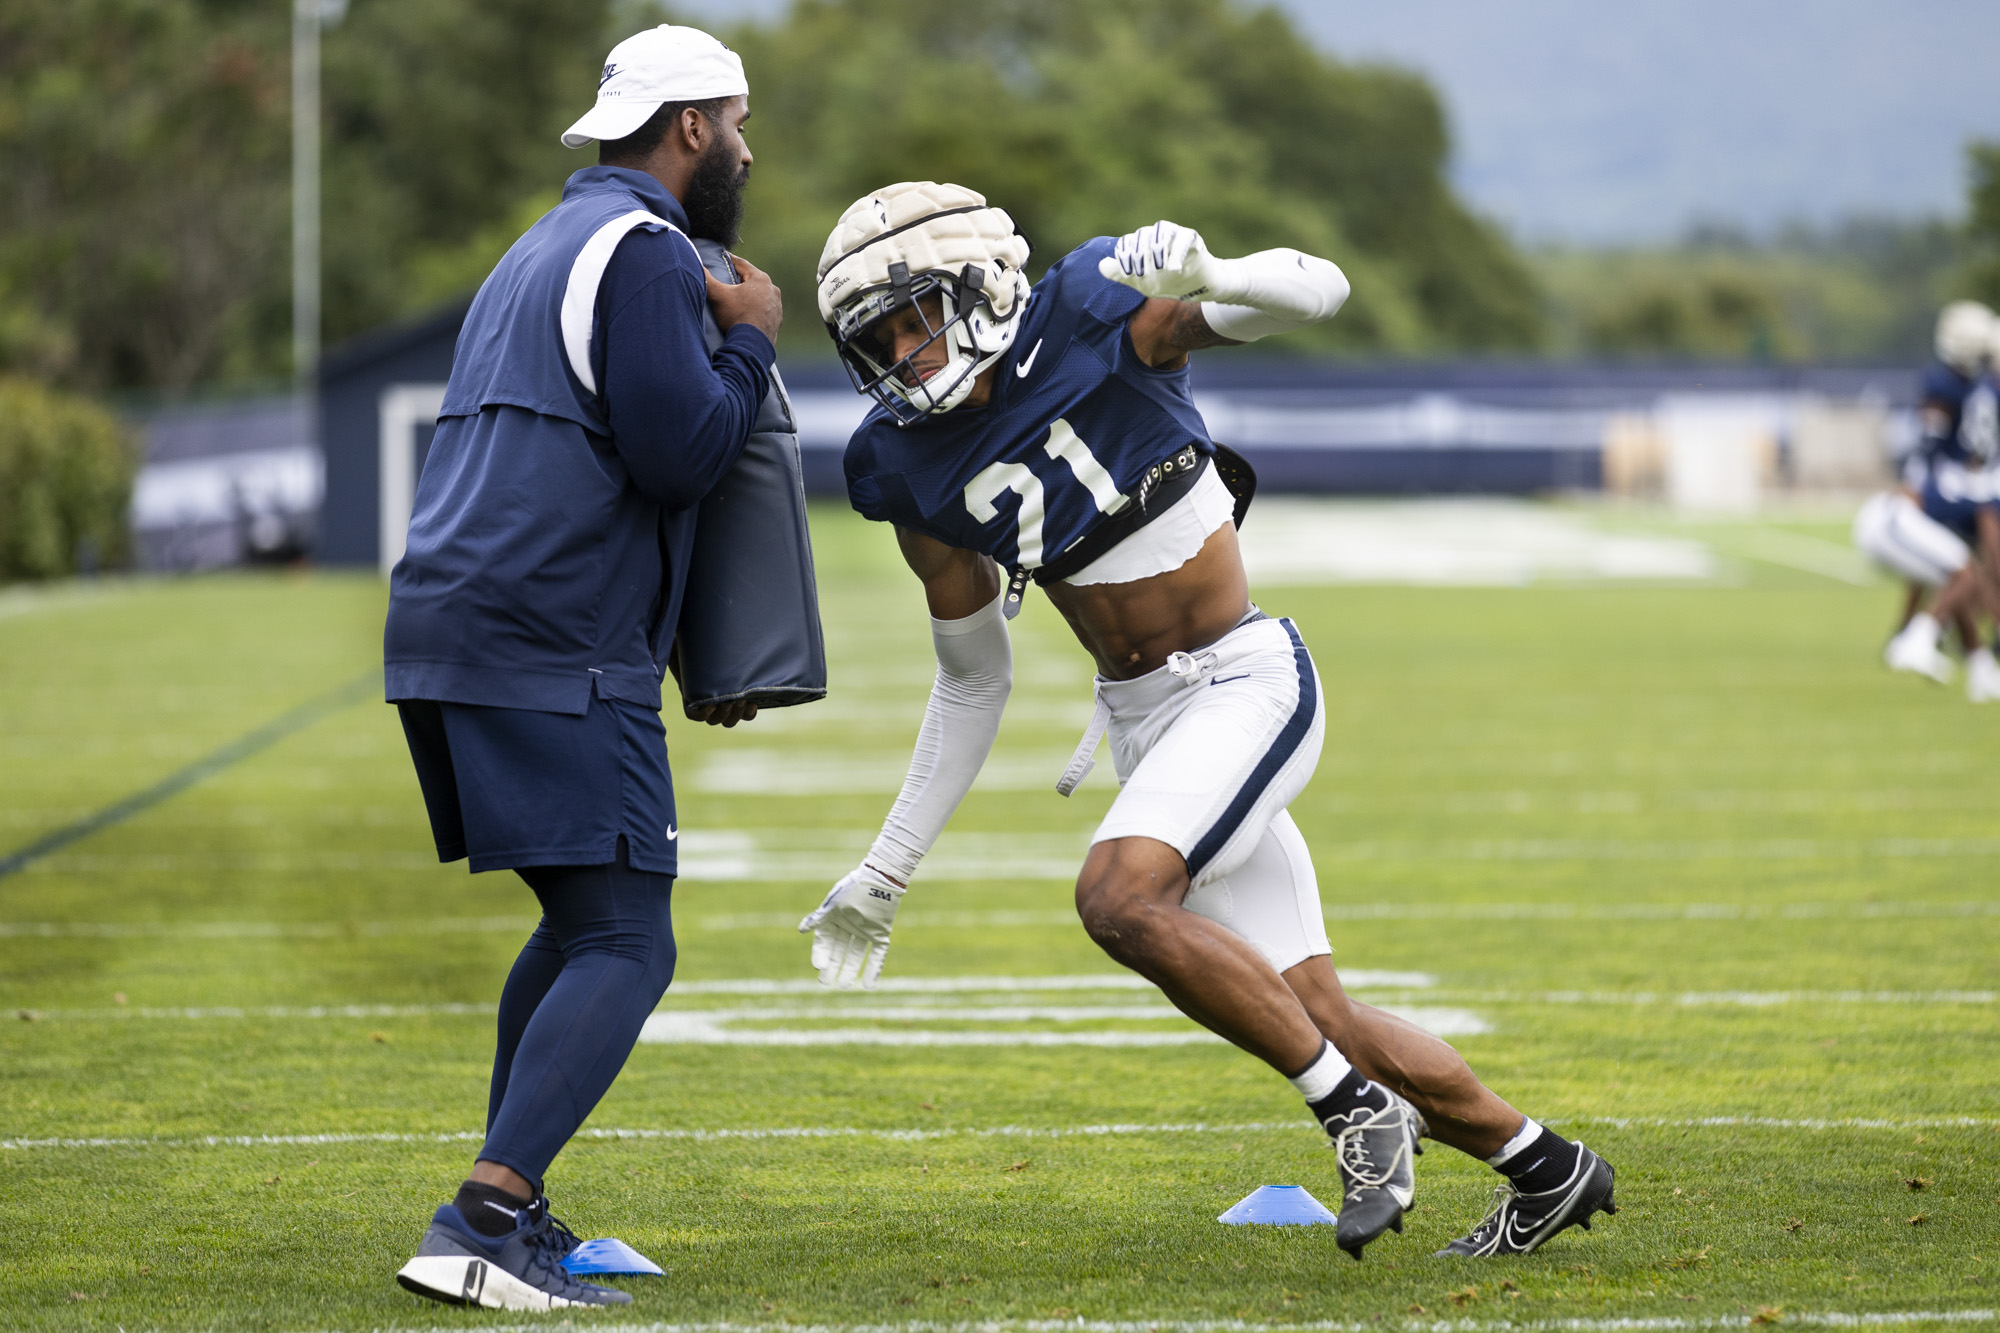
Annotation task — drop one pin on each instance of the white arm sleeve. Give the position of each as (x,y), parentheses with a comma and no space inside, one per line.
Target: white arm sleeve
(1272,291)
(975,673)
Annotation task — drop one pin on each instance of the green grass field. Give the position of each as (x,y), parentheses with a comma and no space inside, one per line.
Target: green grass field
(1696,879)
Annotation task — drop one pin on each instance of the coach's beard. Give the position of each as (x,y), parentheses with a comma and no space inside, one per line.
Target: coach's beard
(714,202)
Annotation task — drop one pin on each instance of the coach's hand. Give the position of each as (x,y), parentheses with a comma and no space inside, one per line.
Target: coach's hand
(850,929)
(723,714)
(755,301)
(1165,259)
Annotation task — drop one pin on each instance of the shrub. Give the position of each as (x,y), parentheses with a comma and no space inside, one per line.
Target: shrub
(66,468)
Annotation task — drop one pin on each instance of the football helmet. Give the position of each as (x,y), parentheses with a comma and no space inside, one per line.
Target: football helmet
(941,250)
(1965,336)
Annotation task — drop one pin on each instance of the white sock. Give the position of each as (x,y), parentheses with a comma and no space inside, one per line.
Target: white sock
(1529,1132)
(1923,626)
(1323,1075)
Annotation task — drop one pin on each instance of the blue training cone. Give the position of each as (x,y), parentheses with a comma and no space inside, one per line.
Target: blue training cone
(609,1257)
(1278,1205)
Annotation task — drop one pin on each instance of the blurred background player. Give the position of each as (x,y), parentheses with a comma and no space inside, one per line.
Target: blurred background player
(1053,435)
(1929,529)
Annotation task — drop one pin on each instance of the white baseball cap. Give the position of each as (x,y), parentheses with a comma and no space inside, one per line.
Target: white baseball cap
(648,69)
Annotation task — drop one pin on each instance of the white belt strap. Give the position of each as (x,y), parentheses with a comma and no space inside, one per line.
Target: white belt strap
(1188,668)
(1085,759)
(1191,668)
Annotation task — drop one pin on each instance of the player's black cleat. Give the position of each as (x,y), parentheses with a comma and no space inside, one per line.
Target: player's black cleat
(1377,1148)
(1521,1221)
(521,1270)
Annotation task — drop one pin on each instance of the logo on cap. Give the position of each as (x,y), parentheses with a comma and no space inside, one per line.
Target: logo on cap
(609,70)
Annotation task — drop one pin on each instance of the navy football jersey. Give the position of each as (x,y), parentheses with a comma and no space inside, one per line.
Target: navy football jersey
(1940,414)
(1075,420)
(1955,492)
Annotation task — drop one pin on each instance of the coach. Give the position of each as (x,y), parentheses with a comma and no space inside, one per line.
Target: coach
(530,620)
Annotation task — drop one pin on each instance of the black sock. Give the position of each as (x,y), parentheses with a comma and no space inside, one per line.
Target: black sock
(1350,1092)
(1545,1164)
(488,1209)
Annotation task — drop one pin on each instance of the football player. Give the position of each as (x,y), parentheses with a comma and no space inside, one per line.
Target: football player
(1929,529)
(1051,436)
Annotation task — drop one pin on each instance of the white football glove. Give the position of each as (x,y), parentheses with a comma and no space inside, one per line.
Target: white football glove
(1165,259)
(850,929)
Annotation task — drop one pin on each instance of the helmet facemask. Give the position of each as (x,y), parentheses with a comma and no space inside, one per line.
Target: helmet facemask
(938,255)
(952,308)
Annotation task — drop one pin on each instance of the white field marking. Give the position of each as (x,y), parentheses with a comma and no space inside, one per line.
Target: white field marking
(712,855)
(919,1135)
(917,917)
(28,601)
(763,772)
(1356,979)
(721,1027)
(1464,543)
(256,930)
(1080,1324)
(1002,919)
(1814,555)
(1652,911)
(1359,978)
(717,860)
(905,712)
(1705,999)
(1420,1006)
(270,863)
(308,1011)
(1616,849)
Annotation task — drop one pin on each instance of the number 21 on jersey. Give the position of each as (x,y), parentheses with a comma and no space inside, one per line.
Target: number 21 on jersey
(993,482)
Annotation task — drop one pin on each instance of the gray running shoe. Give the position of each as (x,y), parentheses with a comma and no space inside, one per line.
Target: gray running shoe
(521,1270)
(1521,1222)
(1377,1149)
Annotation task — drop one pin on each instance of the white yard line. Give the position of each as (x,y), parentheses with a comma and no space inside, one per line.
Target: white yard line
(61,597)
(1621,849)
(1080,1324)
(1007,919)
(1413,994)
(1359,978)
(729,1026)
(1705,999)
(1813,555)
(926,1133)
(1599,911)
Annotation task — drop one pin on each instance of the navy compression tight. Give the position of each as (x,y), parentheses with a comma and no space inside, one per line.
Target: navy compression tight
(572,1008)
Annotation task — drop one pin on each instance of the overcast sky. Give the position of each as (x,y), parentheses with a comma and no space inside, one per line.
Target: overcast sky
(1626,120)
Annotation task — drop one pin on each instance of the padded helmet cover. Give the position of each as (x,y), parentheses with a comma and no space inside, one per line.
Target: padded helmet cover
(1966,335)
(900,244)
(953,227)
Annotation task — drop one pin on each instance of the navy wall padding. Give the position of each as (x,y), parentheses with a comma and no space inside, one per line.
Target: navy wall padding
(1425,471)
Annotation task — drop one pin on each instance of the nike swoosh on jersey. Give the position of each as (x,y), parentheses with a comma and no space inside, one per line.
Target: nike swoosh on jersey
(1027,362)
(672,833)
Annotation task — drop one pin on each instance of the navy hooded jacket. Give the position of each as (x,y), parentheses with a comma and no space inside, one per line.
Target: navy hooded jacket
(584,419)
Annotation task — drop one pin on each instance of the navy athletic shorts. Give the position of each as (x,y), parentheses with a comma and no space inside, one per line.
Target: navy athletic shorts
(507,787)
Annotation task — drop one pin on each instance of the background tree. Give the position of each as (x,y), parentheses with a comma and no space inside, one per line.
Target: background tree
(144,233)
(1983,222)
(1092,118)
(142,230)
